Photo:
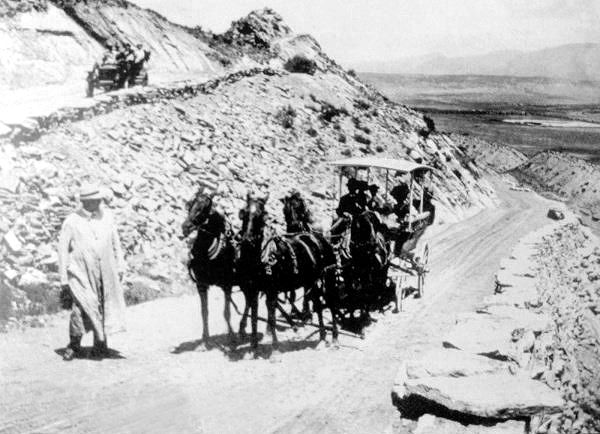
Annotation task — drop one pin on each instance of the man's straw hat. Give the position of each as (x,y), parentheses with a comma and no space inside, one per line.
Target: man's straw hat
(90,192)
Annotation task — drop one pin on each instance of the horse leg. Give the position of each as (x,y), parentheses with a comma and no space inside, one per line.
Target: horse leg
(254,309)
(244,320)
(331,299)
(292,299)
(203,292)
(227,312)
(271,306)
(287,317)
(318,307)
(305,307)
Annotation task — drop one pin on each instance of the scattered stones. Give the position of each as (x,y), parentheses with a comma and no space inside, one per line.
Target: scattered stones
(13,242)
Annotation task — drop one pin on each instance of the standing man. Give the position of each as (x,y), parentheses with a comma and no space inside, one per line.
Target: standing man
(91,266)
(139,57)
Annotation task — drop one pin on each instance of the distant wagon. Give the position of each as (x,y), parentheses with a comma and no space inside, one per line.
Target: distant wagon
(407,255)
(108,77)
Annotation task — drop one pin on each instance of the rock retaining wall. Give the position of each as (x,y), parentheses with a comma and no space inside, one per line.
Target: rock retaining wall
(530,353)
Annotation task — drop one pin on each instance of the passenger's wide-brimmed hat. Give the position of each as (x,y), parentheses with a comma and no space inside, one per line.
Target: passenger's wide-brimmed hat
(90,192)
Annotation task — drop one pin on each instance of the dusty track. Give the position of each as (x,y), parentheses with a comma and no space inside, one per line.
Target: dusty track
(157,389)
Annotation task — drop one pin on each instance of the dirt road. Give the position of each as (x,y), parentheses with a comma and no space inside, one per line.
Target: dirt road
(164,383)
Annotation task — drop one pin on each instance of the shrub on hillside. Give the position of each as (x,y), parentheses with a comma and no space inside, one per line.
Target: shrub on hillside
(301,64)
(352,73)
(328,112)
(362,139)
(286,116)
(429,127)
(312,132)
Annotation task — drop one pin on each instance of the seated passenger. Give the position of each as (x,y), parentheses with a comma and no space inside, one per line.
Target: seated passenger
(361,195)
(110,55)
(137,63)
(375,201)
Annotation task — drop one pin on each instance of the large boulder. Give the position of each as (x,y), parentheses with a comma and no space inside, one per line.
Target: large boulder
(258,29)
(442,362)
(496,396)
(520,318)
(485,335)
(555,214)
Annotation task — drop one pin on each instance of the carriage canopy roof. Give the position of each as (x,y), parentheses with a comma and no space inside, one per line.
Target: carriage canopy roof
(404,166)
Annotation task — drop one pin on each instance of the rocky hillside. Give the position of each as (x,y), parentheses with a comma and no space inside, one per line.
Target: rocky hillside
(45,46)
(263,128)
(491,156)
(570,178)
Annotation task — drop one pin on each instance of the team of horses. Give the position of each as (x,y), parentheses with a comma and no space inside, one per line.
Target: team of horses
(344,272)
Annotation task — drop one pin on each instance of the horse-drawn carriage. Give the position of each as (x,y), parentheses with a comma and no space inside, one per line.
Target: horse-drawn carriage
(360,266)
(111,76)
(400,227)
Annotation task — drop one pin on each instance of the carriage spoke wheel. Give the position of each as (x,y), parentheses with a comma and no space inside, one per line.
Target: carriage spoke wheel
(422,270)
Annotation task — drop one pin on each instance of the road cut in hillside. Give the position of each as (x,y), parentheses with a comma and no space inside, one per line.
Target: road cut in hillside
(165,383)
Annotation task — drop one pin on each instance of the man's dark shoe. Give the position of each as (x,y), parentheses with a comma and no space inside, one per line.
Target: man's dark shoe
(99,350)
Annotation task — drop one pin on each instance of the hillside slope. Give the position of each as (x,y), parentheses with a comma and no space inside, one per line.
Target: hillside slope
(174,49)
(45,47)
(572,179)
(264,129)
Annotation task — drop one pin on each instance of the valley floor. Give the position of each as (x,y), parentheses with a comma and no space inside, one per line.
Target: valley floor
(164,383)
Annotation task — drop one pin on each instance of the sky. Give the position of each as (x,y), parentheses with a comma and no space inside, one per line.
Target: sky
(354,31)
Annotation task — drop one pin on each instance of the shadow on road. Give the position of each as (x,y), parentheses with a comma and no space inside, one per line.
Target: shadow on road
(240,348)
(86,353)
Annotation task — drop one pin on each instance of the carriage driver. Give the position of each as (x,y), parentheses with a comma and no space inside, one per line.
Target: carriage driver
(351,203)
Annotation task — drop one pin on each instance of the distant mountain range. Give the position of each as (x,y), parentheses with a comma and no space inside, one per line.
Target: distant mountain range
(578,62)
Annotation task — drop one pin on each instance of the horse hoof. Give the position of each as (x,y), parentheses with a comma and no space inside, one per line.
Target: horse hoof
(321,345)
(250,356)
(396,310)
(202,347)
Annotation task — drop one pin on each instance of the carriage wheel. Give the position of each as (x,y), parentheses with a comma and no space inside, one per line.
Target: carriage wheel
(421,270)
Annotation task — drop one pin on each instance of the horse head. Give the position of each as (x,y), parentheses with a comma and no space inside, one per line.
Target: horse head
(253,217)
(364,228)
(296,213)
(198,209)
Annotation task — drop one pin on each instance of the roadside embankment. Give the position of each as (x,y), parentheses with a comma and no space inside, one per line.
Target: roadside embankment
(527,359)
(572,179)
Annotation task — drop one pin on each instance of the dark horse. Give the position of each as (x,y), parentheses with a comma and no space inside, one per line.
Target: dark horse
(249,270)
(298,219)
(370,260)
(301,258)
(212,257)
